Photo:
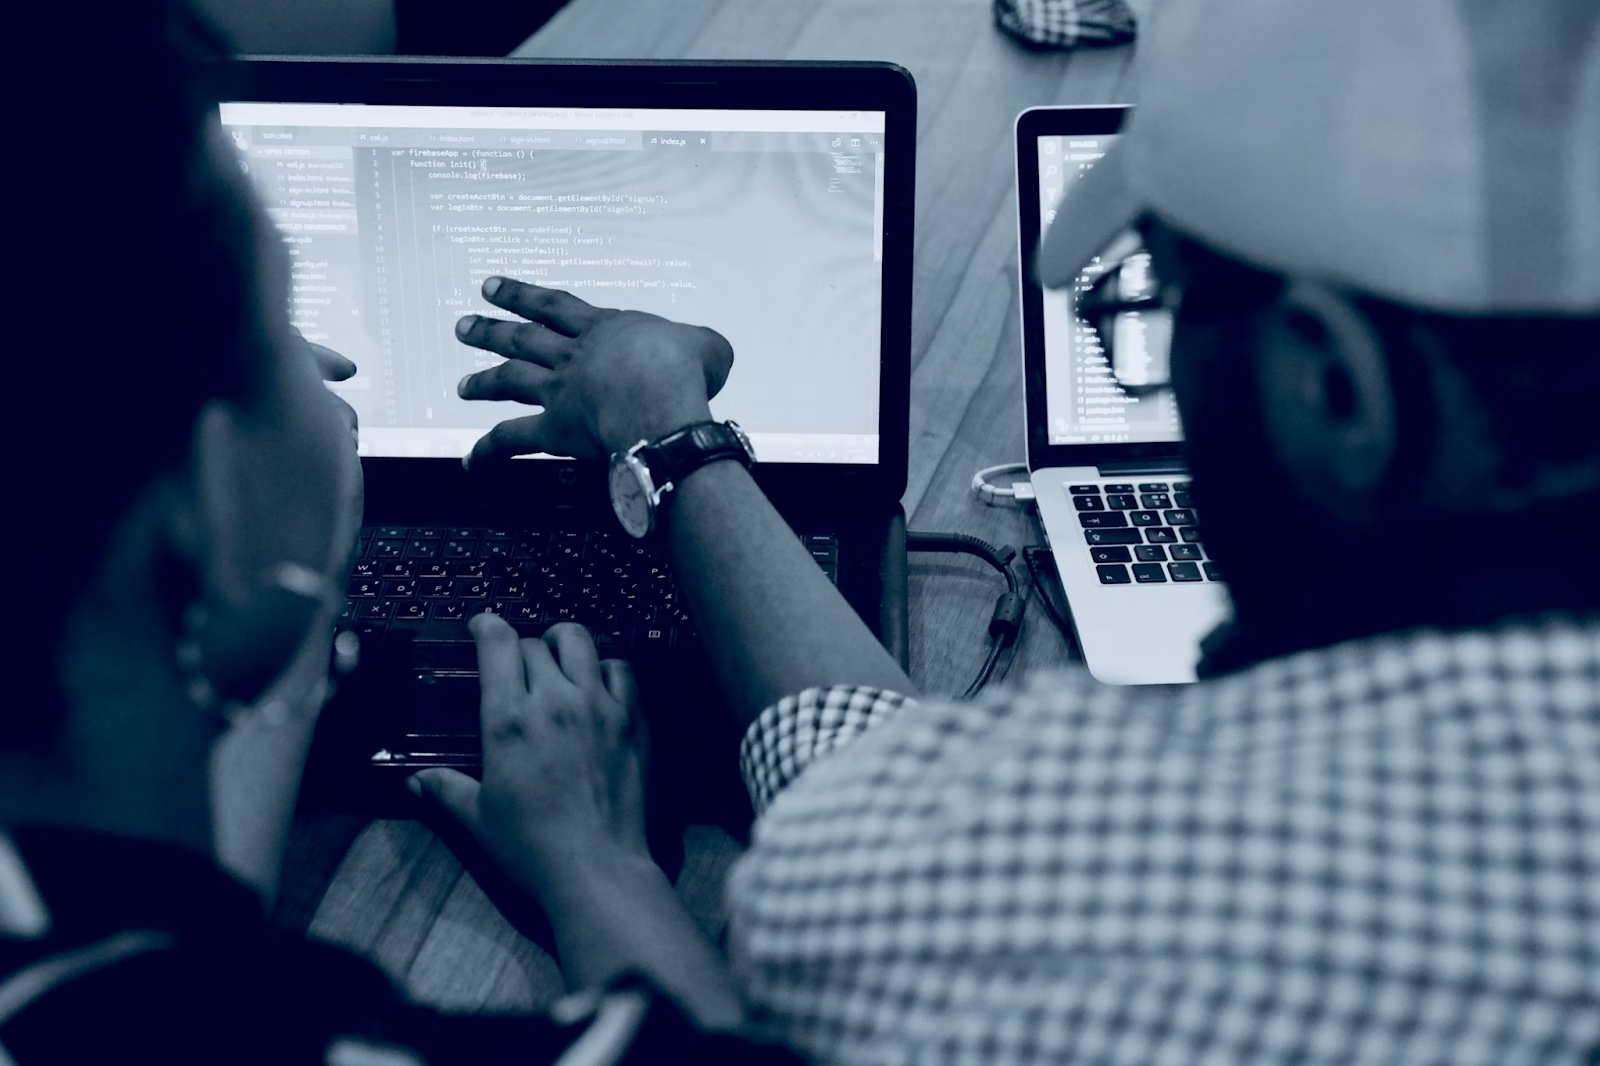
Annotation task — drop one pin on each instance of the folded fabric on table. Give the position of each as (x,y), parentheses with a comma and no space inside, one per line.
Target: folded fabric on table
(1065,23)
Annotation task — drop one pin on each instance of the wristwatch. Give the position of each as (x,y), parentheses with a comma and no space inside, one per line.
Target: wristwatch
(646,472)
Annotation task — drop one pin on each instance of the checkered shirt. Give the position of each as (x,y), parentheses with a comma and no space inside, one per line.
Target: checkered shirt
(1383,852)
(1064,23)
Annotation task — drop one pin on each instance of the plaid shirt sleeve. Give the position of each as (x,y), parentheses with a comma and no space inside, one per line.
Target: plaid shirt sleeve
(1381,852)
(797,730)
(1065,23)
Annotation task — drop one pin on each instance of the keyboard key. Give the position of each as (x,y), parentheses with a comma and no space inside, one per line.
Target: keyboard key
(427,570)
(411,612)
(400,568)
(373,611)
(1160,535)
(523,612)
(461,533)
(1190,534)
(1088,503)
(497,534)
(1119,487)
(1155,501)
(505,569)
(436,588)
(363,588)
(473,589)
(1145,518)
(1151,553)
(427,533)
(1102,520)
(530,545)
(514,589)
(391,532)
(449,612)
(1148,573)
(1121,501)
(423,549)
(1153,486)
(1111,536)
(471,568)
(1113,575)
(495,549)
(1182,486)
(365,570)
(399,590)
(1180,518)
(1186,551)
(1183,499)
(388,549)
(1184,571)
(1084,490)
(460,549)
(1212,572)
(1110,555)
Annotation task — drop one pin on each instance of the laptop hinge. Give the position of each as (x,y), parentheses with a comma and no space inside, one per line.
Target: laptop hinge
(1145,466)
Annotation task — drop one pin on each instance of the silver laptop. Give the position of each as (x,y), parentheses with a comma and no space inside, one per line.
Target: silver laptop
(1107,468)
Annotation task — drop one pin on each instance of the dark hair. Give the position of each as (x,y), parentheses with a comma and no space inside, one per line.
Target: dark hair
(128,307)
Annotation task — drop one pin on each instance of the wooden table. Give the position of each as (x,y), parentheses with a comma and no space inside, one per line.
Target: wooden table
(400,895)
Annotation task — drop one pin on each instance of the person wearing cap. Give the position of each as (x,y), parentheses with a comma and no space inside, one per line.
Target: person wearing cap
(1371,833)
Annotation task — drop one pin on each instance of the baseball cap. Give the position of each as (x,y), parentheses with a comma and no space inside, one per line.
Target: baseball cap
(1443,154)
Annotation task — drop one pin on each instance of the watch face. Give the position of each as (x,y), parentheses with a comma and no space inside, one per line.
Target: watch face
(629,497)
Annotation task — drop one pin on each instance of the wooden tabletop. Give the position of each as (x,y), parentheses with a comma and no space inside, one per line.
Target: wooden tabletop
(966,355)
(400,895)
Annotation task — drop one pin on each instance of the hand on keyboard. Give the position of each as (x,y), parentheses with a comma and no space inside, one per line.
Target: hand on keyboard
(563,754)
(606,379)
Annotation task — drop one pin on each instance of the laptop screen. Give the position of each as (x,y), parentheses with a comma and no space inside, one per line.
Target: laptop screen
(764,225)
(1083,404)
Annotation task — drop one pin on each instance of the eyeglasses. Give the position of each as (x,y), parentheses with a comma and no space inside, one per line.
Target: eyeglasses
(1132,311)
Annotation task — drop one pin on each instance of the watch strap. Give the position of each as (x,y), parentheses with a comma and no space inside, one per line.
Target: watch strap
(677,455)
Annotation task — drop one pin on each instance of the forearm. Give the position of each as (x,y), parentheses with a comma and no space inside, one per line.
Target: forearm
(772,622)
(613,911)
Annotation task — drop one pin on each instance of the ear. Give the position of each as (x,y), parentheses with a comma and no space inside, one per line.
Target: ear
(1327,402)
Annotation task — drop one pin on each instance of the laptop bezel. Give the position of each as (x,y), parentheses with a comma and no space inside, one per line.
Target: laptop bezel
(513,82)
(1031,125)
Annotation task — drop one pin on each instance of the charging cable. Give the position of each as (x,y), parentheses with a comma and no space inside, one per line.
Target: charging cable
(1006,620)
(994,495)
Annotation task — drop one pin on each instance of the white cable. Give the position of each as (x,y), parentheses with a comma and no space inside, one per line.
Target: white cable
(994,494)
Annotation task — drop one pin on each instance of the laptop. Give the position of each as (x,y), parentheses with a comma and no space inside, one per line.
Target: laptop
(772,202)
(1107,469)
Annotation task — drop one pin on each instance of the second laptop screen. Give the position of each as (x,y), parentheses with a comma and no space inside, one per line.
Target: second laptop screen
(764,225)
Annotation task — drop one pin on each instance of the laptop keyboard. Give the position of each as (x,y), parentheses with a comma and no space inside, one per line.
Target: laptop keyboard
(428,580)
(1144,533)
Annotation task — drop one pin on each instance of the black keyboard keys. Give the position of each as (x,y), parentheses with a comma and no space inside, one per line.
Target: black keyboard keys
(1186,551)
(1161,535)
(1151,553)
(1144,518)
(1111,536)
(1113,575)
(1148,573)
(1184,571)
(1110,555)
(1103,520)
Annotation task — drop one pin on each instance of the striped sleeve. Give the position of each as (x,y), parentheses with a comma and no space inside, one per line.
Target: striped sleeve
(798,730)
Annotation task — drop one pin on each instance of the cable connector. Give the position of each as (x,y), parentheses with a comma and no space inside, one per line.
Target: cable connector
(993,495)
(1007,618)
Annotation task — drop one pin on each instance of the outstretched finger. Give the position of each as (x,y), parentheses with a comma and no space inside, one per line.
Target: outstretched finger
(330,364)
(511,380)
(502,679)
(514,436)
(554,308)
(514,340)
(574,650)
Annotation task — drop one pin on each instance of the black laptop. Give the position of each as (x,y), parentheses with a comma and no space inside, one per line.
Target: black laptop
(772,202)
